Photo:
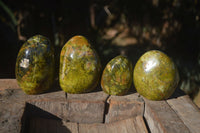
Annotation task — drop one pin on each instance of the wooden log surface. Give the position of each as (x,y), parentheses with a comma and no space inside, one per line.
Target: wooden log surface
(92,112)
(86,108)
(187,111)
(11,110)
(8,83)
(123,107)
(42,125)
(131,125)
(162,119)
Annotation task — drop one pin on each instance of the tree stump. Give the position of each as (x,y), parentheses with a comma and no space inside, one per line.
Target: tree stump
(93,112)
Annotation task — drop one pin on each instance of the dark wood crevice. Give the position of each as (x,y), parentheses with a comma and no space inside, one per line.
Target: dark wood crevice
(106,110)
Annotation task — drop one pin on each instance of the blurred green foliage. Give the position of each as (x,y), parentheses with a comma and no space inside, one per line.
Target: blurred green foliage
(113,26)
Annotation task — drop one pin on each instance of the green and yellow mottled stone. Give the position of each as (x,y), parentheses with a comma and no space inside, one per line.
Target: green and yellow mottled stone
(155,75)
(117,76)
(35,65)
(80,66)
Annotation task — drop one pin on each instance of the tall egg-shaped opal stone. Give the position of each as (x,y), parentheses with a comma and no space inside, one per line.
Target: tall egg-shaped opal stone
(79,66)
(155,75)
(35,65)
(117,76)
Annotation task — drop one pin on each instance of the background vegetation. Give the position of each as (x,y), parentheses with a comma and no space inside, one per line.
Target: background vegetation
(128,27)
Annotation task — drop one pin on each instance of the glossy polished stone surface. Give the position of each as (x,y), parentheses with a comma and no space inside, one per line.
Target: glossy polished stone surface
(35,65)
(155,75)
(79,66)
(117,76)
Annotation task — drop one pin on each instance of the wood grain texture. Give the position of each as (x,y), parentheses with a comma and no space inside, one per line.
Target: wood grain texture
(61,112)
(8,83)
(92,96)
(11,110)
(132,125)
(86,108)
(41,125)
(123,107)
(161,118)
(187,111)
(53,103)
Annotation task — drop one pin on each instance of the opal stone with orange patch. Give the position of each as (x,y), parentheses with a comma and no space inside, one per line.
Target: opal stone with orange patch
(35,65)
(155,75)
(117,76)
(80,66)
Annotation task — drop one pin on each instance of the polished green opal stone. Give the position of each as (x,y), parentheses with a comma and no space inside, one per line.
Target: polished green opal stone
(35,65)
(80,66)
(117,76)
(155,75)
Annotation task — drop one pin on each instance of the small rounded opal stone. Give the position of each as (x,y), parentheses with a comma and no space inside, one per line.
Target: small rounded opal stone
(80,66)
(155,75)
(35,65)
(117,76)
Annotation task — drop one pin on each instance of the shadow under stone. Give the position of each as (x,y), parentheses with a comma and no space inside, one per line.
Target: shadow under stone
(36,120)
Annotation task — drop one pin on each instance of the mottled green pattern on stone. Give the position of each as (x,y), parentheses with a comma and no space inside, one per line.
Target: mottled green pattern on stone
(79,66)
(117,76)
(35,65)
(155,75)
